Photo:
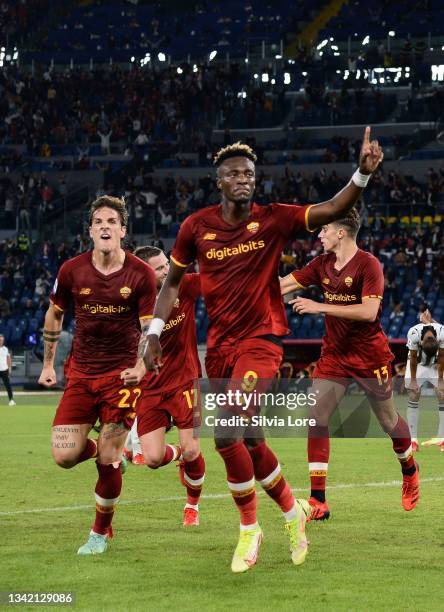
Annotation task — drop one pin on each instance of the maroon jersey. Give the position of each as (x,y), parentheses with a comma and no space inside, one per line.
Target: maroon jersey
(107,311)
(178,341)
(238,265)
(358,343)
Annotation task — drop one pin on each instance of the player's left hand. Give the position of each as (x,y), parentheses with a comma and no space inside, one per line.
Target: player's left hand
(133,376)
(305,306)
(371,154)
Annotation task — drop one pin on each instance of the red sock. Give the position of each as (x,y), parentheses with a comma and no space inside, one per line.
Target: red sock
(240,479)
(268,473)
(89,452)
(108,489)
(318,451)
(194,474)
(402,445)
(171,454)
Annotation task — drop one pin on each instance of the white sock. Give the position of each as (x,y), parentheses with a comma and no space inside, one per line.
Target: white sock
(441,421)
(192,506)
(291,514)
(135,442)
(412,418)
(249,527)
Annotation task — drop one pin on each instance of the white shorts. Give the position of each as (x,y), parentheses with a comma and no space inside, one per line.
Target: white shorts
(423,374)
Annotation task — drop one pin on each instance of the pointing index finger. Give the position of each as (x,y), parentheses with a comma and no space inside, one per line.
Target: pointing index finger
(367,135)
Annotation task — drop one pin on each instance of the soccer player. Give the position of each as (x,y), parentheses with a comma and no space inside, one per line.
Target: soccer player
(113,294)
(173,394)
(238,245)
(5,369)
(425,363)
(354,347)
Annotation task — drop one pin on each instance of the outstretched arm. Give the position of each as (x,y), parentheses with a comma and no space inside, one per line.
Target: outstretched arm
(367,311)
(288,284)
(370,157)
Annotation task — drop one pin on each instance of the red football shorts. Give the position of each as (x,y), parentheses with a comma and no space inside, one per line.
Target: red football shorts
(181,404)
(376,380)
(250,365)
(105,398)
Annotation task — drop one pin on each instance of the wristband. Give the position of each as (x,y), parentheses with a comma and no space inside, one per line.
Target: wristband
(359,179)
(156,327)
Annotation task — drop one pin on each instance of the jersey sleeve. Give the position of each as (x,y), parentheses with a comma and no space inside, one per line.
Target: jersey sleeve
(413,339)
(308,275)
(60,296)
(191,285)
(184,249)
(373,284)
(147,294)
(291,218)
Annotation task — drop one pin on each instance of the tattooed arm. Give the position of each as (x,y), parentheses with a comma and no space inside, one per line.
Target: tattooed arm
(51,335)
(133,376)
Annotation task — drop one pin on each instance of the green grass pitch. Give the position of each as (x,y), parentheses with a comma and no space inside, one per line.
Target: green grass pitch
(371,555)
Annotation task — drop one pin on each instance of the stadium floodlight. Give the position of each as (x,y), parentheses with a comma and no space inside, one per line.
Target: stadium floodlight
(366,40)
(392,33)
(179,70)
(437,72)
(161,57)
(265,78)
(287,78)
(212,55)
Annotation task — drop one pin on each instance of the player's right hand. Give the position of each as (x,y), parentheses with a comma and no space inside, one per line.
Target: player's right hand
(153,355)
(48,377)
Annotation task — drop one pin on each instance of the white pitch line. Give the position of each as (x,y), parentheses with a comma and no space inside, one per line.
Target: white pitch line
(364,485)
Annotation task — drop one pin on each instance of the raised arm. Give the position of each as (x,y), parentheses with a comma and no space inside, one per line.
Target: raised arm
(165,301)
(370,157)
(51,335)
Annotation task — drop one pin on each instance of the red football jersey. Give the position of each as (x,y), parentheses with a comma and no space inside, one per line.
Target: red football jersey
(178,341)
(356,342)
(107,311)
(238,265)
